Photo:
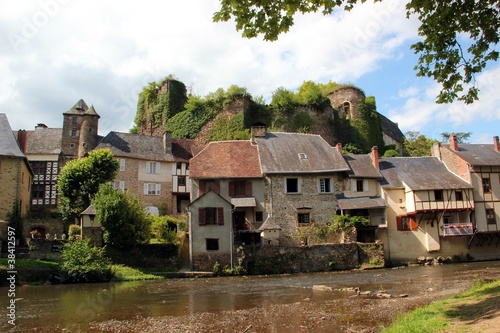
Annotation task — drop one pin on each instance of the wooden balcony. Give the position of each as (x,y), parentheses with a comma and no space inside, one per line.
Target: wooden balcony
(458,229)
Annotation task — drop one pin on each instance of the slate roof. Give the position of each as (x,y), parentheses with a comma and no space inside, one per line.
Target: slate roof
(269,224)
(418,173)
(81,108)
(135,146)
(181,149)
(279,153)
(362,167)
(477,154)
(44,141)
(226,159)
(8,143)
(361,203)
(391,128)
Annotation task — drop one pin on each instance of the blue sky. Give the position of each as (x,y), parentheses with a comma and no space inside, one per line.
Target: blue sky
(55,52)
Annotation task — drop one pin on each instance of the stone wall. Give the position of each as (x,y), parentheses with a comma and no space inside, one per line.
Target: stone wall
(162,257)
(51,226)
(353,96)
(45,249)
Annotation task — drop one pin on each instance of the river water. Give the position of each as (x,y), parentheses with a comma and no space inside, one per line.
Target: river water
(76,306)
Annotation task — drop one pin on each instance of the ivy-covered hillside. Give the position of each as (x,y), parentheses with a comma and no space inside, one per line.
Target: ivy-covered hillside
(229,114)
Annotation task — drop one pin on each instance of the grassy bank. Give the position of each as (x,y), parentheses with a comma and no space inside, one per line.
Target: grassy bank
(35,272)
(452,313)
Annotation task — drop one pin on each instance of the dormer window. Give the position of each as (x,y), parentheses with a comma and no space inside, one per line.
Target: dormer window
(303,156)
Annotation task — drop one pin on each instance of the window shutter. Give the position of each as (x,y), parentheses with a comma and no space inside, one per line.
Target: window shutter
(231,189)
(158,189)
(413,223)
(145,188)
(122,164)
(201,216)
(248,188)
(354,185)
(217,187)
(365,185)
(201,187)
(220,216)
(148,167)
(157,169)
(122,185)
(399,223)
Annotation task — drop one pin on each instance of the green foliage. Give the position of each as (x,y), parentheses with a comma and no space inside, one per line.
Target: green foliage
(442,25)
(84,262)
(461,137)
(283,102)
(74,231)
(122,217)
(416,144)
(160,101)
(125,273)
(310,93)
(164,228)
(229,128)
(350,148)
(80,179)
(367,131)
(391,153)
(346,222)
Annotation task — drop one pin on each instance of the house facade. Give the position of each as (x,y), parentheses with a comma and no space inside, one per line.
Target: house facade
(303,175)
(429,210)
(15,177)
(479,166)
(227,201)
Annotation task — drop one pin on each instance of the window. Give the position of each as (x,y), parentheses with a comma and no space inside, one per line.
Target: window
(325,186)
(73,133)
(153,167)
(459,196)
(179,165)
(240,188)
(212,244)
(152,189)
(303,156)
(74,120)
(122,164)
(120,185)
(490,216)
(181,181)
(360,185)
(292,185)
(438,195)
(406,223)
(486,185)
(210,216)
(259,216)
(303,218)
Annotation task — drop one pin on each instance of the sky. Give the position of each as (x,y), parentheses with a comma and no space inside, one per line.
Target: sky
(56,52)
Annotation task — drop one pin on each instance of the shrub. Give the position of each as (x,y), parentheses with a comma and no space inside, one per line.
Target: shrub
(74,231)
(84,262)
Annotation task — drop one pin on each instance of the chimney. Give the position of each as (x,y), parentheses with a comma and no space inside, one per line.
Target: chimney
(339,147)
(496,144)
(375,157)
(22,139)
(453,142)
(257,130)
(436,150)
(167,142)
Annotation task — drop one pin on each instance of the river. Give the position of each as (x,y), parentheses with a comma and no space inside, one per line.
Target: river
(82,307)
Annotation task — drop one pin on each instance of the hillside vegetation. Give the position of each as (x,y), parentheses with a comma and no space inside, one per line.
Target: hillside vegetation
(229,114)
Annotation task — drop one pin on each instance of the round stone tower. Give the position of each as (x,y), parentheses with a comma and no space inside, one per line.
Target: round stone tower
(346,101)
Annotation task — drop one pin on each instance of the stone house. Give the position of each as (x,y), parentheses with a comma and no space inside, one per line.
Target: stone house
(303,176)
(479,166)
(362,193)
(149,170)
(429,210)
(15,177)
(227,201)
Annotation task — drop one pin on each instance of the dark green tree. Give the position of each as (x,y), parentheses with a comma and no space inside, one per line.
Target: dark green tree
(80,179)
(442,56)
(461,137)
(417,144)
(123,219)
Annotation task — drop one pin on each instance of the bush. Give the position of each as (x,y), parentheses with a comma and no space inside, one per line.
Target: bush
(74,231)
(84,262)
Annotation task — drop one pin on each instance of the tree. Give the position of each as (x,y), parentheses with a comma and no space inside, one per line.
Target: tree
(441,55)
(460,136)
(81,261)
(80,179)
(122,217)
(416,144)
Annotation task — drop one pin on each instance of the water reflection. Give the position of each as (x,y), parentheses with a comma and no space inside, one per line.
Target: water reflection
(78,305)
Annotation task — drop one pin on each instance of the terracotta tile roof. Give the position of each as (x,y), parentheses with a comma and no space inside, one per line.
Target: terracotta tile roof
(298,153)
(418,173)
(226,159)
(138,146)
(477,154)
